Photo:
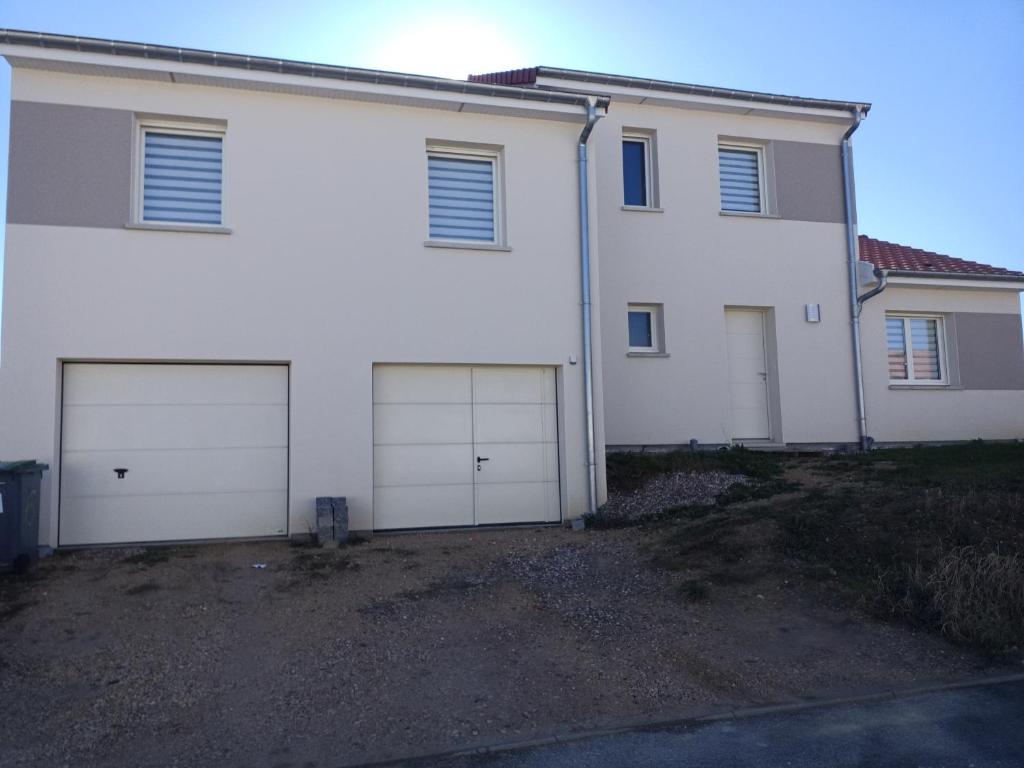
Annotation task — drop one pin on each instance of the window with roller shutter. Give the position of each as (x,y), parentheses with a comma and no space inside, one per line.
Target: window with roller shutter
(916,349)
(464,196)
(181,177)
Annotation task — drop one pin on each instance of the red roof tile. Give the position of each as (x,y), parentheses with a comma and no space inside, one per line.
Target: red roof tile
(904,258)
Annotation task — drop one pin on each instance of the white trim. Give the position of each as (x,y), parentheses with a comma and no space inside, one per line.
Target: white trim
(144,125)
(495,157)
(646,139)
(508,100)
(762,187)
(908,350)
(656,98)
(958,282)
(653,312)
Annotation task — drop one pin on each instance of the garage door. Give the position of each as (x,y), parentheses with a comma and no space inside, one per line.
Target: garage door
(204,449)
(464,446)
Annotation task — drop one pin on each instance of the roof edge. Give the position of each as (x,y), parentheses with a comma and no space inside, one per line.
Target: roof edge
(529,76)
(126,49)
(918,274)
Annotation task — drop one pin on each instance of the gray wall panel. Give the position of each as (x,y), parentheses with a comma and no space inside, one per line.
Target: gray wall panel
(990,349)
(808,181)
(69,166)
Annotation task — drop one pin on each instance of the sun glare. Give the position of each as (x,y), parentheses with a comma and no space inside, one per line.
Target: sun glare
(448,48)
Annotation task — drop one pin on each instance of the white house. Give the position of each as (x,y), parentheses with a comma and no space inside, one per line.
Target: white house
(234,284)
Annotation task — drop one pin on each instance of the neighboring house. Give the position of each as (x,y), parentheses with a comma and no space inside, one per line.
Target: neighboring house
(234,284)
(944,358)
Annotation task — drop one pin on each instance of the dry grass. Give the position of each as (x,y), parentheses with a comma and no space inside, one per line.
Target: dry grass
(972,597)
(933,537)
(980,597)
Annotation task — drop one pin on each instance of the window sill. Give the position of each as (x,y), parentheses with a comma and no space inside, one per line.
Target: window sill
(648,354)
(643,208)
(746,215)
(158,227)
(468,246)
(920,387)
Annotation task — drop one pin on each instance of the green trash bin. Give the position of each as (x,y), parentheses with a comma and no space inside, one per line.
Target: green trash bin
(19,513)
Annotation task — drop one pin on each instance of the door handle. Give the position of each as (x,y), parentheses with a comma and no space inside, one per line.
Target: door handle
(482,458)
(120,472)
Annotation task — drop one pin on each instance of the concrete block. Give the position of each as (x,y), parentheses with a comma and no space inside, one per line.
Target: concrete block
(324,519)
(331,520)
(340,513)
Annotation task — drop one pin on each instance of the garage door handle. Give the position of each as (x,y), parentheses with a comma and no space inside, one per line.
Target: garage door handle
(121,472)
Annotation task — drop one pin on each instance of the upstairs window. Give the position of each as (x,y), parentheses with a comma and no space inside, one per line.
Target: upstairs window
(741,178)
(636,171)
(464,195)
(916,349)
(181,176)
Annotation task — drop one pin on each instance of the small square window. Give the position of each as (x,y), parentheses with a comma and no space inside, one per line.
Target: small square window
(644,326)
(741,178)
(464,199)
(636,170)
(916,349)
(180,175)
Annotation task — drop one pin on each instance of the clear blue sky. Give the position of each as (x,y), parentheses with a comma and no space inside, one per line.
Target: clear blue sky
(938,161)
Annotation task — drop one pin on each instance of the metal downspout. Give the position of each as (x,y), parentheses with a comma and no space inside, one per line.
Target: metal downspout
(588,340)
(851,255)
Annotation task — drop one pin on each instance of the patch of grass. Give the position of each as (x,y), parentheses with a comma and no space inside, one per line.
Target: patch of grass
(320,564)
(627,471)
(9,610)
(149,556)
(972,598)
(933,537)
(141,589)
(695,590)
(756,491)
(394,551)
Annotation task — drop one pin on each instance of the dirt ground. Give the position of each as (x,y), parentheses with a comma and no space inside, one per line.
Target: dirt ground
(406,645)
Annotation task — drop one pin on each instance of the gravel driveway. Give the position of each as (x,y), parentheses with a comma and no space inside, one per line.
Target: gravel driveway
(405,645)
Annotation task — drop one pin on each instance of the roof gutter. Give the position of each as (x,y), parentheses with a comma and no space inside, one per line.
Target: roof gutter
(588,338)
(666,86)
(123,50)
(852,260)
(954,276)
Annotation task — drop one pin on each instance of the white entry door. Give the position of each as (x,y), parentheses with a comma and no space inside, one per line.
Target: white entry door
(171,452)
(748,374)
(462,445)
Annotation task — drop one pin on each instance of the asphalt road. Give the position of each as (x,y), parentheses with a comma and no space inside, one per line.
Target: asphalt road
(980,727)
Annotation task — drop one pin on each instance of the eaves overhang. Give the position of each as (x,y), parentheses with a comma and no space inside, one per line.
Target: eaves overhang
(910,278)
(668,93)
(116,58)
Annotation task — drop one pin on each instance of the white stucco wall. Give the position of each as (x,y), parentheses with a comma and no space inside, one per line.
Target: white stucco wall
(697,262)
(325,269)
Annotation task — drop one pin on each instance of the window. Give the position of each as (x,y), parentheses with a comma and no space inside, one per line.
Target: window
(644,321)
(637,176)
(464,195)
(180,175)
(923,336)
(741,178)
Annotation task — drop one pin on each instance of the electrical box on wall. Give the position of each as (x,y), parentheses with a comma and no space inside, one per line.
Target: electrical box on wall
(812,312)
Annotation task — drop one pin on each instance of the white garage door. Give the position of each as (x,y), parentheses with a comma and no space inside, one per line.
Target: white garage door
(205,448)
(464,446)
